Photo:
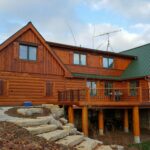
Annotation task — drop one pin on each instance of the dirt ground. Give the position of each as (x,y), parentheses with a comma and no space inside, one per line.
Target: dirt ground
(13,137)
(13,112)
(121,138)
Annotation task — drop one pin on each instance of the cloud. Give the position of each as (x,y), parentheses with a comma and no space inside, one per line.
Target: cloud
(52,16)
(137,10)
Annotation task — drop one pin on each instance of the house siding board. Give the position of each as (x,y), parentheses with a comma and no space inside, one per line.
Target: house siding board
(22,87)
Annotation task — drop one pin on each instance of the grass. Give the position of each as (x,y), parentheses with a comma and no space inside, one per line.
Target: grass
(142,146)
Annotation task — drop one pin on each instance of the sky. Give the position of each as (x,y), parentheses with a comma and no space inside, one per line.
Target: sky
(79,22)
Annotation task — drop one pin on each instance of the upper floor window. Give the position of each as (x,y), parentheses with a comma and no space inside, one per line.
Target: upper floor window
(108,62)
(79,59)
(133,88)
(108,88)
(28,52)
(92,86)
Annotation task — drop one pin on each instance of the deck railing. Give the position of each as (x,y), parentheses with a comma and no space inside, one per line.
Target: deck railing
(72,95)
(107,94)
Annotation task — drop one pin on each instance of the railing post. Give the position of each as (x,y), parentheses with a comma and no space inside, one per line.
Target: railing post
(88,94)
(140,94)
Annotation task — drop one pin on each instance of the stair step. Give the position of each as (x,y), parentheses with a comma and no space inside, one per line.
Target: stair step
(31,122)
(54,135)
(41,129)
(87,144)
(104,147)
(71,140)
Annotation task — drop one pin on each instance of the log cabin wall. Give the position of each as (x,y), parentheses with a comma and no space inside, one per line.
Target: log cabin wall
(94,63)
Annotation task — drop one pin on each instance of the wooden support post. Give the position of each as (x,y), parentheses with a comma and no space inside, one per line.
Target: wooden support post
(136,126)
(85,120)
(126,122)
(101,122)
(70,114)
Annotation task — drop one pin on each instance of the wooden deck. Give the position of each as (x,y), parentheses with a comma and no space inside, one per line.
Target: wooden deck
(105,97)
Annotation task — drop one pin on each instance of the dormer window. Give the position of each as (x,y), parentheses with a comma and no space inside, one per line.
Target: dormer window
(79,59)
(108,62)
(28,52)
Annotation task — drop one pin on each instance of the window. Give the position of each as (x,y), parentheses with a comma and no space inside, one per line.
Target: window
(49,88)
(92,86)
(27,52)
(133,88)
(108,88)
(79,59)
(1,87)
(108,62)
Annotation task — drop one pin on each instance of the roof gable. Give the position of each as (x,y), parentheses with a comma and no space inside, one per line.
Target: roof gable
(42,40)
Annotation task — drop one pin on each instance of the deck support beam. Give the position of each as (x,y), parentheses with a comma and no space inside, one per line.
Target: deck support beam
(126,122)
(101,122)
(136,125)
(70,114)
(85,120)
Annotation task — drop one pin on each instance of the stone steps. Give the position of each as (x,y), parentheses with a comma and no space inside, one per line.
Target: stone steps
(55,128)
(71,140)
(41,129)
(54,135)
(87,144)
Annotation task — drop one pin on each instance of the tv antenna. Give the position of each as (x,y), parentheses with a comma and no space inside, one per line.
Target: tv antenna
(71,31)
(108,37)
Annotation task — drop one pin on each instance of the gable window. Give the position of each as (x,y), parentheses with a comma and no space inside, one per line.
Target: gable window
(28,52)
(133,88)
(79,59)
(108,88)
(108,62)
(92,86)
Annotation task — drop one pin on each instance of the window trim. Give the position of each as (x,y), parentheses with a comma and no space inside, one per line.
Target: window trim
(80,59)
(28,46)
(108,62)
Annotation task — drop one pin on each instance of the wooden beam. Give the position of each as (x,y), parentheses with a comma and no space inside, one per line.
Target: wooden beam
(85,120)
(136,125)
(126,121)
(101,122)
(70,114)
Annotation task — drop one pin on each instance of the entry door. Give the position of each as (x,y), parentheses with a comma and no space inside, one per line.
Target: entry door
(92,86)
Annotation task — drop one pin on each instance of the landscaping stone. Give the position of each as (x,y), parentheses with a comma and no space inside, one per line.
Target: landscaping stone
(63,120)
(117,147)
(29,111)
(54,135)
(87,144)
(71,140)
(31,122)
(104,147)
(41,129)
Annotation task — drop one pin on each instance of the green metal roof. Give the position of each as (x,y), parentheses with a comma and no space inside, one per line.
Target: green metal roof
(137,69)
(93,76)
(141,66)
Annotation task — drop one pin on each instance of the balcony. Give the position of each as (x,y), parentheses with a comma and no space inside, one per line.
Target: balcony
(120,97)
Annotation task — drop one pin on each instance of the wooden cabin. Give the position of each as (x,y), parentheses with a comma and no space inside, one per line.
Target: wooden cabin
(33,69)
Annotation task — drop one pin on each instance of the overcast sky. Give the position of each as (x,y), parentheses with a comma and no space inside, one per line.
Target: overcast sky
(57,19)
